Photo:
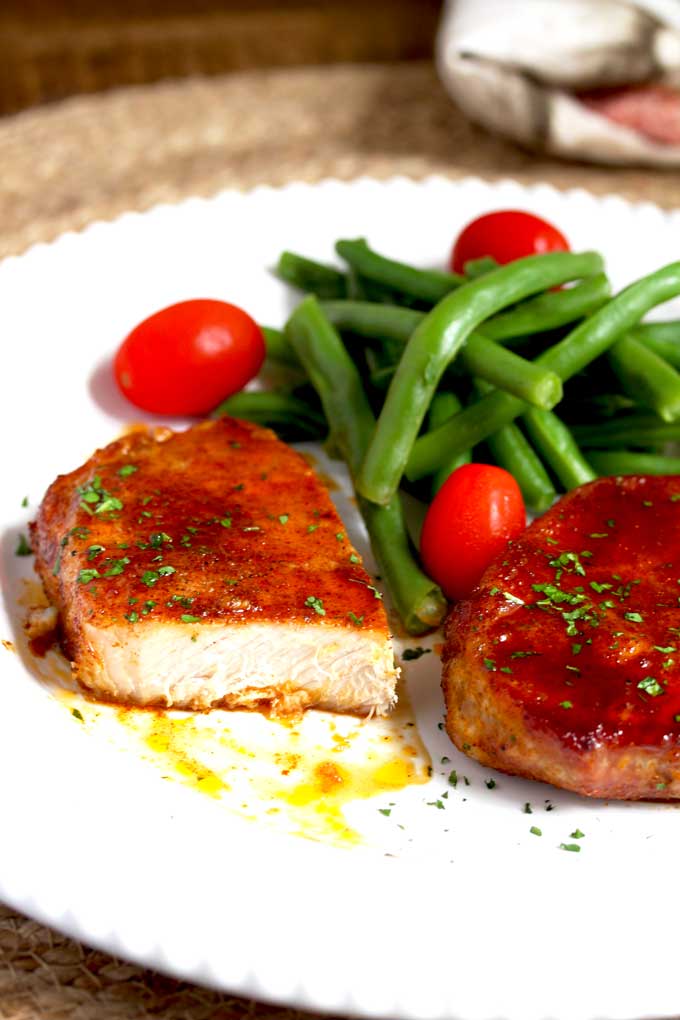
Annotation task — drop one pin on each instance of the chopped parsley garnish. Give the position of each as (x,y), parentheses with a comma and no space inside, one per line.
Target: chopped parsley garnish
(633,617)
(385,811)
(490,784)
(535,831)
(650,685)
(354,558)
(600,587)
(85,576)
(23,548)
(311,527)
(573,847)
(24,501)
(340,536)
(186,618)
(664,648)
(157,538)
(577,834)
(566,704)
(166,571)
(490,665)
(132,617)
(283,518)
(409,654)
(453,778)
(316,604)
(183,600)
(117,567)
(225,522)
(94,551)
(127,470)
(149,578)
(77,714)
(358,621)
(108,504)
(527,808)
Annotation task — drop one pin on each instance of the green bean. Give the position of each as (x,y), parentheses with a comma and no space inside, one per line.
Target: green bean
(646,377)
(310,276)
(373,321)
(642,430)
(280,411)
(535,315)
(435,343)
(583,344)
(475,268)
(444,404)
(511,450)
(428,285)
(557,446)
(661,337)
(628,462)
(507,371)
(549,311)
(278,348)
(418,600)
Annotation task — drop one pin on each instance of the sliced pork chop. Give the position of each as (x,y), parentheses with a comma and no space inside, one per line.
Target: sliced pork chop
(209,567)
(564,664)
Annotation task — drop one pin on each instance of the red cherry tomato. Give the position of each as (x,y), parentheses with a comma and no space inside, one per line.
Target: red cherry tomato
(186,358)
(505,236)
(478,509)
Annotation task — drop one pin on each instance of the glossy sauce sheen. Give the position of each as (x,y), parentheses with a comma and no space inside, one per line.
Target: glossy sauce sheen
(611,674)
(248,531)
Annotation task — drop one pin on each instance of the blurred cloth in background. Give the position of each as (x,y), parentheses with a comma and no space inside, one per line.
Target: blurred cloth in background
(589,79)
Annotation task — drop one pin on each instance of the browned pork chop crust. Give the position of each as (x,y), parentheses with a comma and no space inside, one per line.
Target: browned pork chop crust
(209,567)
(564,664)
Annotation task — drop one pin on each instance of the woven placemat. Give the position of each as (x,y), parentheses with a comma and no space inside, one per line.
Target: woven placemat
(94,157)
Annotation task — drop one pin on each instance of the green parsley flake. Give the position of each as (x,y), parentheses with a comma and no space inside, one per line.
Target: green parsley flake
(311,528)
(665,648)
(24,501)
(340,536)
(157,538)
(117,567)
(225,522)
(283,518)
(527,808)
(94,551)
(535,831)
(385,811)
(490,665)
(23,548)
(453,778)
(187,618)
(358,621)
(127,470)
(354,558)
(572,847)
(166,571)
(85,576)
(566,704)
(316,604)
(577,834)
(490,784)
(651,686)
(633,617)
(409,654)
(77,714)
(108,505)
(132,617)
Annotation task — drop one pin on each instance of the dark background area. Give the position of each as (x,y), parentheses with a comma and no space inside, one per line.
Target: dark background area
(50,50)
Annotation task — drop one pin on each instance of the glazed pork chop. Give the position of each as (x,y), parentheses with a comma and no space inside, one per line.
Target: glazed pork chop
(209,567)
(564,664)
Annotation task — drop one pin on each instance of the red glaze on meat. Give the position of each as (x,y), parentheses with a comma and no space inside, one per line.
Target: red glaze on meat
(564,665)
(209,567)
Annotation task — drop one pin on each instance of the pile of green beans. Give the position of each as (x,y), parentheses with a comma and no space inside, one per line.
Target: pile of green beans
(409,373)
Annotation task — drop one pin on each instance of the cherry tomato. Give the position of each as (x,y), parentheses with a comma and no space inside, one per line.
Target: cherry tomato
(186,358)
(505,236)
(478,509)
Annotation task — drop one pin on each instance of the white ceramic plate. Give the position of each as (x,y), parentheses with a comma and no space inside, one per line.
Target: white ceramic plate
(412,899)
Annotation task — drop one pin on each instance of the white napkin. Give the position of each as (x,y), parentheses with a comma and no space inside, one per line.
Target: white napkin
(520,68)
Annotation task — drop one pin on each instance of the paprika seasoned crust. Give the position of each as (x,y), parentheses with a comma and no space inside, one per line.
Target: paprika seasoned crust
(564,664)
(209,568)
